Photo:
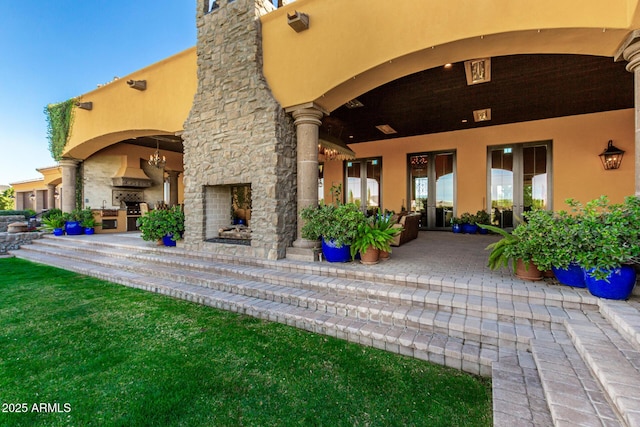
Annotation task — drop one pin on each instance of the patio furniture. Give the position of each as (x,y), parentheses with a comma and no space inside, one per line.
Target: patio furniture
(410,223)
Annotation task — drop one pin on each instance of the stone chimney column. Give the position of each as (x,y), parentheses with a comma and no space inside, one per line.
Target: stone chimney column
(307,122)
(68,202)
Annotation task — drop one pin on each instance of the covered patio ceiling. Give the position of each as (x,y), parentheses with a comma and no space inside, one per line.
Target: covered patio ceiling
(522,88)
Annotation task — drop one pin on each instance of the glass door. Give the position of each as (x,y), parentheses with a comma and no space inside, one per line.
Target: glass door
(363,186)
(519,180)
(432,174)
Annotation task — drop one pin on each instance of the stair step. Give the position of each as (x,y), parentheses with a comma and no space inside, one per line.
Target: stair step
(572,393)
(546,295)
(613,361)
(438,348)
(625,317)
(507,330)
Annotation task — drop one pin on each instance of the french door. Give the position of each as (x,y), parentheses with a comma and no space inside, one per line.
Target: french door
(432,188)
(363,186)
(519,179)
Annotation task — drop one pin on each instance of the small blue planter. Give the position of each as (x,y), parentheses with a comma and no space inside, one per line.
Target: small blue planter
(58,231)
(73,228)
(619,286)
(456,228)
(89,230)
(334,254)
(469,228)
(572,276)
(168,241)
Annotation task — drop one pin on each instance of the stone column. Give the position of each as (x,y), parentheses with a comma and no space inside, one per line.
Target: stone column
(173,187)
(307,122)
(68,196)
(51,198)
(630,51)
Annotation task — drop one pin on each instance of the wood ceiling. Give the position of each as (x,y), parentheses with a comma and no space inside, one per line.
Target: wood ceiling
(522,88)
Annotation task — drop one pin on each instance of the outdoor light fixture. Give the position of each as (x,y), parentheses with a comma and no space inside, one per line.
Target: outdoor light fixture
(155,159)
(85,105)
(298,21)
(32,196)
(611,157)
(56,195)
(137,84)
(478,71)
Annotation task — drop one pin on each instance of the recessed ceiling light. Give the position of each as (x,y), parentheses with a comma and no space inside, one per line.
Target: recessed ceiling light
(478,71)
(386,129)
(464,120)
(448,66)
(354,103)
(483,115)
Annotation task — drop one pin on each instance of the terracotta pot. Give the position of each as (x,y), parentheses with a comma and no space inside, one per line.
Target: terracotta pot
(527,270)
(370,256)
(384,255)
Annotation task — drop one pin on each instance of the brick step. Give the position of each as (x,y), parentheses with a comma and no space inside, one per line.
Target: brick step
(508,331)
(490,305)
(573,395)
(464,354)
(614,362)
(625,317)
(547,295)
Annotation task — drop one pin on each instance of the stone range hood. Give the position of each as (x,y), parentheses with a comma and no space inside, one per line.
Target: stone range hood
(131,175)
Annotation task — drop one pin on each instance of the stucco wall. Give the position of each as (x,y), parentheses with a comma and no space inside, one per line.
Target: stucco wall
(577,170)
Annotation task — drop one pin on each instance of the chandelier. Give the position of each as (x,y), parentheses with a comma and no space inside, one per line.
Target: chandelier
(333,148)
(155,159)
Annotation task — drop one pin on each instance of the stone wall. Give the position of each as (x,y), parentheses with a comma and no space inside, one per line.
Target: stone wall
(13,241)
(237,133)
(6,220)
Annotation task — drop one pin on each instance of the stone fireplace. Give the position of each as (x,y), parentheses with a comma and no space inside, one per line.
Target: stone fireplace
(237,136)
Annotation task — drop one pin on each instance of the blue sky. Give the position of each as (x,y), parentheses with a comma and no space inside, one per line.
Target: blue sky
(51,51)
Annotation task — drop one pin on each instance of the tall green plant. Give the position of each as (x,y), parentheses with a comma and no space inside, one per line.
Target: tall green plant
(59,122)
(7,199)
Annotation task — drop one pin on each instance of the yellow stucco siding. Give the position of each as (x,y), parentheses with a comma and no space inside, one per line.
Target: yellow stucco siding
(576,143)
(120,112)
(354,46)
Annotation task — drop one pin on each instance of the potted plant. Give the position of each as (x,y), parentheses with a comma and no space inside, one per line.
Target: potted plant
(336,224)
(608,239)
(72,222)
(456,224)
(54,222)
(518,248)
(163,224)
(483,218)
(374,235)
(88,221)
(468,223)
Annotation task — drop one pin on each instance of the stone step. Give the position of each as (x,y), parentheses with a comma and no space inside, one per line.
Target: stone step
(531,293)
(507,330)
(613,361)
(573,395)
(491,306)
(439,348)
(625,317)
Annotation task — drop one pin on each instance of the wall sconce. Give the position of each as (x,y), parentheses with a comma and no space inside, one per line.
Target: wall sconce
(298,21)
(611,157)
(137,84)
(56,195)
(32,196)
(85,105)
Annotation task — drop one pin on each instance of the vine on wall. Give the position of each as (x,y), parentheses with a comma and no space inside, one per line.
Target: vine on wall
(59,122)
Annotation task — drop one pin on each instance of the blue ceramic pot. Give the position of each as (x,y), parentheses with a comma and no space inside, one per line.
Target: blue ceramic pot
(469,228)
(168,241)
(89,230)
(618,284)
(334,254)
(73,228)
(572,276)
(58,231)
(456,228)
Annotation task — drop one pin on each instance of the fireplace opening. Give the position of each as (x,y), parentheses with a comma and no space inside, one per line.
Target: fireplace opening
(228,214)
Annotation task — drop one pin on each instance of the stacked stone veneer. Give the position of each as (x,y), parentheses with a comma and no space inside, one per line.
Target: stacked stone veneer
(237,133)
(8,219)
(13,241)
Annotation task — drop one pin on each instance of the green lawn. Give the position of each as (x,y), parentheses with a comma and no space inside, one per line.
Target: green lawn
(113,356)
